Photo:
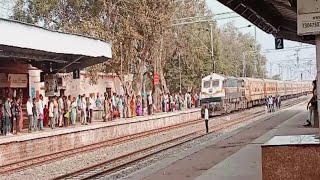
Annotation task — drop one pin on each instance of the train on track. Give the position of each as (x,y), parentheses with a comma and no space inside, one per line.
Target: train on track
(224,94)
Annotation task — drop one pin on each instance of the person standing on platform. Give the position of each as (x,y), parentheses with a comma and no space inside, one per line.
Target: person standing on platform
(106,109)
(197,100)
(125,106)
(30,114)
(279,101)
(67,111)
(87,109)
(16,108)
(206,118)
(41,115)
(83,111)
(45,116)
(188,100)
(56,111)
(35,111)
(120,106)
(162,103)
(270,104)
(74,106)
(139,106)
(133,106)
(19,101)
(60,110)
(79,102)
(111,109)
(98,105)
(128,106)
(91,100)
(51,113)
(150,104)
(114,99)
(193,100)
(7,117)
(312,104)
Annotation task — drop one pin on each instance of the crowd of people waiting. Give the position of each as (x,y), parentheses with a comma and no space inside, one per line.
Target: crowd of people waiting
(273,103)
(66,110)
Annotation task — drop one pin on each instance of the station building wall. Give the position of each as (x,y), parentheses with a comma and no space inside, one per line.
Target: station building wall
(75,87)
(85,85)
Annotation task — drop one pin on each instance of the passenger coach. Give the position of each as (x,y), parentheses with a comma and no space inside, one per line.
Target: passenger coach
(224,94)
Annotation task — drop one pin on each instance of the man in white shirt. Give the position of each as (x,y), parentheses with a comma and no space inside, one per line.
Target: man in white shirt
(91,101)
(61,110)
(83,111)
(30,114)
(40,110)
(270,102)
(206,118)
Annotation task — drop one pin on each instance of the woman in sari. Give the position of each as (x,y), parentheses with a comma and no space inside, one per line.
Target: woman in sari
(106,109)
(45,116)
(73,116)
(133,106)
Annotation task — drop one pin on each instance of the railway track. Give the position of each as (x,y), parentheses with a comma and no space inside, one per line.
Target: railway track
(32,162)
(63,154)
(116,164)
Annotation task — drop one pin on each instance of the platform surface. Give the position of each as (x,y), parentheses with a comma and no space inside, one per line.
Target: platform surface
(293,140)
(234,156)
(24,136)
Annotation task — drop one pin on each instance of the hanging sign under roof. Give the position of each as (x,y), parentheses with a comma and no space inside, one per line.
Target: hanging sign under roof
(308,17)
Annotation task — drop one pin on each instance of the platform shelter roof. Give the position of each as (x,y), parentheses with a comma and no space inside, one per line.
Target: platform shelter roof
(50,50)
(277,17)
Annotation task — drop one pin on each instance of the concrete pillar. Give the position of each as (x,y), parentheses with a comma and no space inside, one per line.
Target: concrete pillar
(316,119)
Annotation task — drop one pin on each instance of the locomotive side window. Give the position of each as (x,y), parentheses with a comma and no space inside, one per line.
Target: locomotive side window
(206,84)
(231,83)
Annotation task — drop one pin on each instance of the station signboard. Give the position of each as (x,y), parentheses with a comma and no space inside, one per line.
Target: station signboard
(308,17)
(18,80)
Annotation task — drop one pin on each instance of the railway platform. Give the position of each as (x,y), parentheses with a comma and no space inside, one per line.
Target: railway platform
(25,146)
(233,156)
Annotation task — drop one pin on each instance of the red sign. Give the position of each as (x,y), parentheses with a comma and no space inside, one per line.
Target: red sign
(156,79)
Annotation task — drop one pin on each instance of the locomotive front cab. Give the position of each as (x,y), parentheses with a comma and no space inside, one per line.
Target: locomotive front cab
(214,104)
(212,94)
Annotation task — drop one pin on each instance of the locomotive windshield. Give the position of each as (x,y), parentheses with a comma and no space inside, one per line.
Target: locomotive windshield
(215,83)
(206,84)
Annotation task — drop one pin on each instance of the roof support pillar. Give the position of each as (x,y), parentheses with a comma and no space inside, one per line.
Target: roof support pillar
(316,115)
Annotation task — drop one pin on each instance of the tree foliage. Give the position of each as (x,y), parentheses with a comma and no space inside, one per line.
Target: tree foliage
(144,38)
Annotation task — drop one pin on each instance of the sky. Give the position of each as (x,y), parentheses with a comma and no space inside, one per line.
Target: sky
(285,58)
(277,60)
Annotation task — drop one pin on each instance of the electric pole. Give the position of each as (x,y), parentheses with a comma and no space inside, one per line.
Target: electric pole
(212,49)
